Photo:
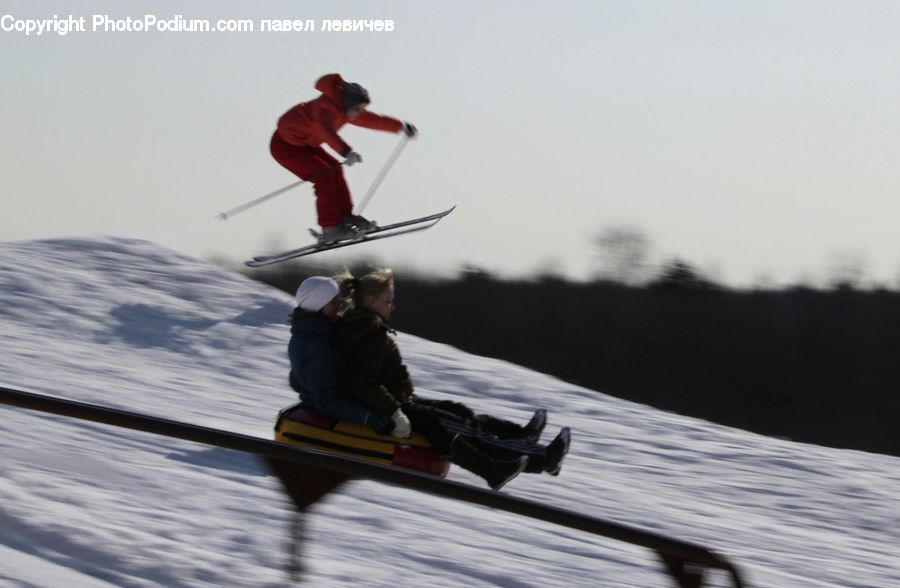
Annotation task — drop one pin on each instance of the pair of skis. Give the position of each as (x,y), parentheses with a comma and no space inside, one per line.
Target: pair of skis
(391,230)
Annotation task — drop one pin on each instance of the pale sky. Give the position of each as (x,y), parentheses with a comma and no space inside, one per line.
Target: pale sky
(758,140)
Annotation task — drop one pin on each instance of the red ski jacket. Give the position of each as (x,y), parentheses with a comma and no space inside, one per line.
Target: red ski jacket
(318,121)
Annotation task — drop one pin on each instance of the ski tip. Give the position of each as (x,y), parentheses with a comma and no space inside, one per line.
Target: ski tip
(446,212)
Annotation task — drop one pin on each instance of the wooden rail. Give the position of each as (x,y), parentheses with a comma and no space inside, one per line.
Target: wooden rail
(686,563)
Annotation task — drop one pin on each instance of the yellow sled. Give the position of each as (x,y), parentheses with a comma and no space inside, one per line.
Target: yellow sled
(299,425)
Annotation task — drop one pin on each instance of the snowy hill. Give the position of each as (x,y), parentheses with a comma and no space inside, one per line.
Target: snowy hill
(128,324)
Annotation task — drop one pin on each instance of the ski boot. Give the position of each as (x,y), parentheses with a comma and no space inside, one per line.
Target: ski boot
(360,223)
(339,232)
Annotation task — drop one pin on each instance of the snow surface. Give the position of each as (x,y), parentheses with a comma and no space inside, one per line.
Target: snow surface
(129,324)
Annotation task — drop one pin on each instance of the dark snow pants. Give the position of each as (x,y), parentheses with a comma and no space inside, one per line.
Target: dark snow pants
(440,421)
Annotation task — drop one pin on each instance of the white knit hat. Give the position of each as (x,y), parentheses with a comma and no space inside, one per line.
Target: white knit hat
(315,292)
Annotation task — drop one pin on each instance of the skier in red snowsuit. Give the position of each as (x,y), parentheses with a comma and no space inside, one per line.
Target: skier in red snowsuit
(296,145)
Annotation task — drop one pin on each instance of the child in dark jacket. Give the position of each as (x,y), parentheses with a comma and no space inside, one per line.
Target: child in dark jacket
(492,448)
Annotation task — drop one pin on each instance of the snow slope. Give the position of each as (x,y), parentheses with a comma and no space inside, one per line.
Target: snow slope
(128,324)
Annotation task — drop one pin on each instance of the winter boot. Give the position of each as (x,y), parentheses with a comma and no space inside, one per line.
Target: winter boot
(536,425)
(503,429)
(494,471)
(556,452)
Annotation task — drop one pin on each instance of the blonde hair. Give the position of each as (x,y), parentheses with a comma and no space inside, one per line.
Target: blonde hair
(373,283)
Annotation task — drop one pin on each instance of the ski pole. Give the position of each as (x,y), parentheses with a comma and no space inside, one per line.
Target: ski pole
(239,209)
(390,161)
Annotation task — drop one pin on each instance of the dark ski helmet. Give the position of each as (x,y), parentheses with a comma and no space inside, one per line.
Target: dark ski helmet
(353,95)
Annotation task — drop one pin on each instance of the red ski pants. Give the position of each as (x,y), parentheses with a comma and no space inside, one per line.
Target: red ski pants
(315,165)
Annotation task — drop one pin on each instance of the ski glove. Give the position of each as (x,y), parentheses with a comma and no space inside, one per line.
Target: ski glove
(352,157)
(381,424)
(410,130)
(402,428)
